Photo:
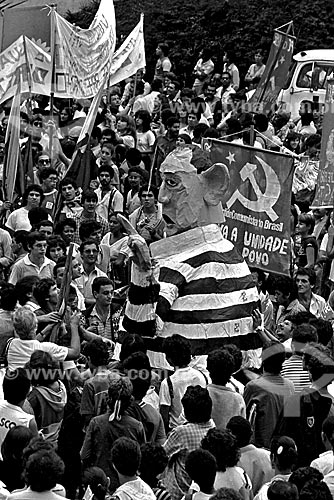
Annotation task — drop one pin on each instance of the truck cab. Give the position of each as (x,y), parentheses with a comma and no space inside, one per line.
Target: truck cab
(307,80)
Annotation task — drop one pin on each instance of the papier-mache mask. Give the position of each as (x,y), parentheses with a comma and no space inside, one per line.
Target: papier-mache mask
(190,199)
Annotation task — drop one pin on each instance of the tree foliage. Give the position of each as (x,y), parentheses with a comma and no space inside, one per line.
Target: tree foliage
(239,25)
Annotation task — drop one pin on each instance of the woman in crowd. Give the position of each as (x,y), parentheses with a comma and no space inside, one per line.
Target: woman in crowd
(147,219)
(283,455)
(223,446)
(126,131)
(145,136)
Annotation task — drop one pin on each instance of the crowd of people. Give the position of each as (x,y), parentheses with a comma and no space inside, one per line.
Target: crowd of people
(82,420)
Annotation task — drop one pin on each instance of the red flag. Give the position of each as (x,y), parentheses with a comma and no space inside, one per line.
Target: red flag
(276,71)
(80,166)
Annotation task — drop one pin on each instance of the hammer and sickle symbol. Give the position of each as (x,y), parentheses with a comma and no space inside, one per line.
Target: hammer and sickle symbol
(265,201)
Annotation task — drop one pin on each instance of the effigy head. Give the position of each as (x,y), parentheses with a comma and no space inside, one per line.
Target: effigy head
(189,199)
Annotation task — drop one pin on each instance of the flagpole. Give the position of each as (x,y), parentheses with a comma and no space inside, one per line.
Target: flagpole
(28,75)
(134,93)
(53,73)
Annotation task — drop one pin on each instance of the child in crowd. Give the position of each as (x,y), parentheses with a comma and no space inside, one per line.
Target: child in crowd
(153,463)
(177,350)
(95,390)
(125,457)
(283,454)
(95,483)
(48,396)
(226,403)
(254,461)
(201,466)
(223,446)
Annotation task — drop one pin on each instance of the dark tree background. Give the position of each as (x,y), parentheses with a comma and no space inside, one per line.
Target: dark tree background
(239,25)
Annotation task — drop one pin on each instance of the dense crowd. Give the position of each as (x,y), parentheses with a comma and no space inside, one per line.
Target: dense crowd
(83,414)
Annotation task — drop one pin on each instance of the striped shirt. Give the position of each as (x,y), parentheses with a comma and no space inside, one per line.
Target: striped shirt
(207,293)
(292,369)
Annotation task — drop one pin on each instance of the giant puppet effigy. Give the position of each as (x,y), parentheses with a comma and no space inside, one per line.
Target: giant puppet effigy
(194,282)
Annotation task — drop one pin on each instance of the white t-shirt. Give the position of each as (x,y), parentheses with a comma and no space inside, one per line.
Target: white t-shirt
(181,379)
(28,494)
(145,141)
(18,220)
(234,477)
(20,351)
(12,416)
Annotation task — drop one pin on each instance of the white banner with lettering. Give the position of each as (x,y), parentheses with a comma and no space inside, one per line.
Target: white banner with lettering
(26,61)
(83,57)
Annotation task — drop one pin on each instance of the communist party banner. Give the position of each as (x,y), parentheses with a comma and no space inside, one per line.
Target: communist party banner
(83,56)
(257,207)
(325,183)
(276,71)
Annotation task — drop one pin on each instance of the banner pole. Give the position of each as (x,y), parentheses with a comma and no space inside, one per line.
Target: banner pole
(252,136)
(28,76)
(53,72)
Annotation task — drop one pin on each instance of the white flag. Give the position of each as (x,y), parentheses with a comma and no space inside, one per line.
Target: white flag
(83,56)
(28,59)
(130,57)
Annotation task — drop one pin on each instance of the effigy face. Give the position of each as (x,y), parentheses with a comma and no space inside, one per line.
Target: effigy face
(189,199)
(181,197)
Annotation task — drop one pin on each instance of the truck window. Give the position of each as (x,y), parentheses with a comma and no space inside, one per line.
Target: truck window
(305,76)
(323,73)
(320,74)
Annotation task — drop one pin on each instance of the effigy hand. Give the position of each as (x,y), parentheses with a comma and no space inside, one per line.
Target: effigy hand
(141,253)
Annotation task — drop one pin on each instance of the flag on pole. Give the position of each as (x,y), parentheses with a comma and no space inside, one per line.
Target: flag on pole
(31,62)
(276,71)
(130,57)
(83,56)
(79,168)
(12,147)
(257,218)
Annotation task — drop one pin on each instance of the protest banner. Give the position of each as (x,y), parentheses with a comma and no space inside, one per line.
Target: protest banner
(130,57)
(325,183)
(257,210)
(25,58)
(82,57)
(276,71)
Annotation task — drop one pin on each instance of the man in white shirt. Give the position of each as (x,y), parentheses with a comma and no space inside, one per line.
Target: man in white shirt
(110,200)
(307,300)
(16,389)
(226,88)
(89,251)
(35,262)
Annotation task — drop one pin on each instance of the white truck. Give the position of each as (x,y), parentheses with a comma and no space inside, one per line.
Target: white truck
(307,79)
